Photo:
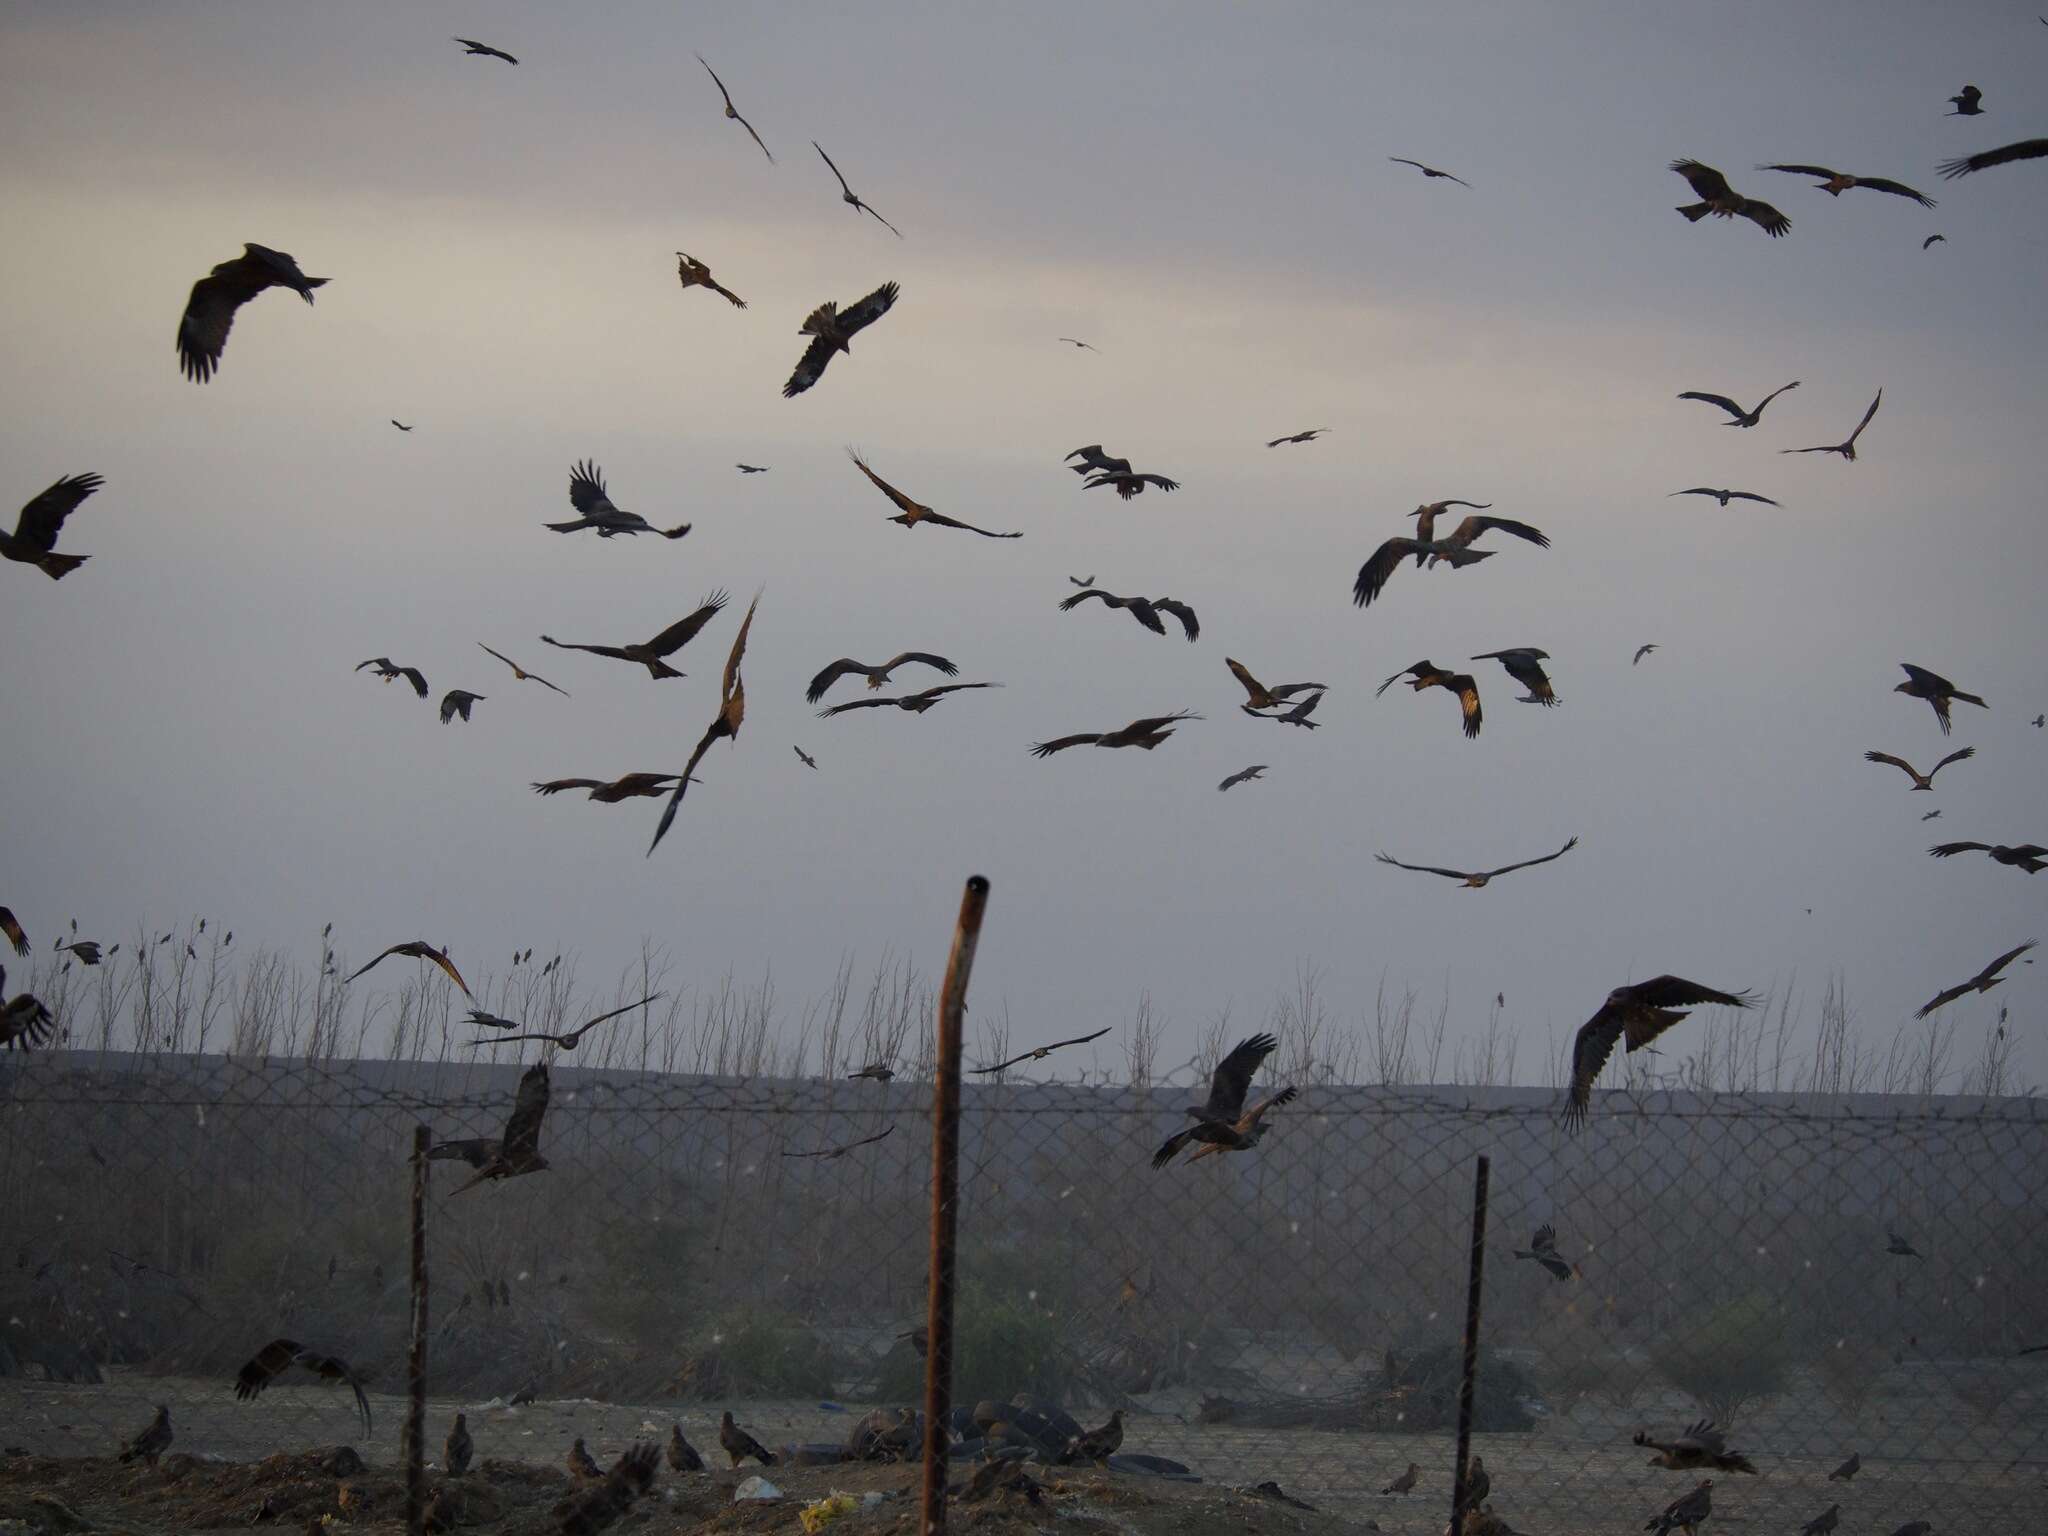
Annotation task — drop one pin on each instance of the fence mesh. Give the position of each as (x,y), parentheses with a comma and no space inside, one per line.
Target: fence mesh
(1291,1312)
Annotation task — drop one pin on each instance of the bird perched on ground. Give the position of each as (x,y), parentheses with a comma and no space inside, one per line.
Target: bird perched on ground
(682,1456)
(1477,880)
(582,1466)
(1983,160)
(519,673)
(1431,172)
(603,1504)
(1936,690)
(1724,496)
(34,539)
(915,703)
(1040,1052)
(280,1355)
(844,1148)
(152,1442)
(387,671)
(751,469)
(1967,103)
(1524,665)
(1129,485)
(417,949)
(805,758)
(914,512)
(1426,674)
(2027,856)
(456,701)
(1686,1512)
(1298,715)
(1983,981)
(724,726)
(876,674)
(1244,775)
(1920,780)
(651,654)
(1739,417)
(11,927)
(1718,198)
(1823,1522)
(1299,437)
(1835,183)
(1262,697)
(1847,1469)
(1635,1014)
(1248,1130)
(847,195)
(1701,1446)
(633,785)
(739,1445)
(596,510)
(734,112)
(459,1449)
(210,311)
(517,1152)
(1477,1484)
(694,274)
(1098,1444)
(1405,1483)
(569,1041)
(1216,1118)
(485,50)
(1846,449)
(880,1071)
(1543,1249)
(1145,610)
(1146,733)
(1641,652)
(1095,462)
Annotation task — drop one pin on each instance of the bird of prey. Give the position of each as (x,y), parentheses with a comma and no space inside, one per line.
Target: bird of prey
(606,1497)
(1039,1053)
(1895,1244)
(1262,697)
(417,949)
(459,1448)
(649,653)
(832,330)
(2031,857)
(1426,515)
(1543,1249)
(732,111)
(1937,690)
(633,785)
(1835,183)
(1462,536)
(1718,198)
(1379,569)
(210,311)
(751,469)
(1642,651)
(1931,239)
(151,1442)
(484,50)
(86,950)
(1405,1483)
(880,1071)
(519,673)
(911,513)
(387,671)
(695,274)
(1967,103)
(841,1151)
(725,725)
(1847,1469)
(1476,880)
(682,1456)
(1725,496)
(1146,733)
(1099,1444)
(1217,1118)
(34,540)
(1524,665)
(1920,780)
(10,925)
(1299,437)
(1686,1512)
(1299,715)
(1145,610)
(1823,1522)
(1244,775)
(1701,1446)
(876,675)
(1426,674)
(1075,341)
(1248,1130)
(915,703)
(1129,485)
(1477,1484)
(456,701)
(400,425)
(1846,449)
(1983,160)
(1930,815)
(1095,462)
(582,1465)
(805,758)
(2039,720)
(595,509)
(1739,417)
(739,1445)
(846,193)
(569,1041)
(517,1152)
(25,1023)
(1431,172)
(1636,1014)
(280,1355)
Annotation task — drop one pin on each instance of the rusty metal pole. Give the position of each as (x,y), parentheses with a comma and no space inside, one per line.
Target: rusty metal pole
(1469,1376)
(938,1317)
(416,1363)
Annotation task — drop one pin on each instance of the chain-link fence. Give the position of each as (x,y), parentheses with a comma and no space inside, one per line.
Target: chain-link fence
(1291,1312)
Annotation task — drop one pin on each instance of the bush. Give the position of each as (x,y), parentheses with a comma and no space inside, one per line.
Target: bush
(1849,1371)
(756,1352)
(1583,1364)
(1731,1357)
(1002,1345)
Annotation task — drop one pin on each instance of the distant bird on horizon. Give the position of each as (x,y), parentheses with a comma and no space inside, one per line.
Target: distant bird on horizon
(1967,103)
(280,1355)
(832,330)
(1724,496)
(1245,775)
(210,311)
(1920,780)
(725,725)
(912,703)
(877,674)
(1846,449)
(596,509)
(1642,651)
(1701,1446)
(732,111)
(1145,610)
(1146,733)
(1636,1015)
(1937,690)
(1543,1249)
(416,949)
(151,1442)
(914,512)
(2027,856)
(1129,485)
(751,469)
(387,672)
(1262,697)
(10,927)
(484,50)
(400,425)
(1524,665)
(1983,160)
(1835,183)
(1983,981)
(516,1153)
(694,274)
(1847,1469)
(519,673)
(1094,461)
(1477,880)
(807,760)
(568,1041)
(1217,1118)
(1299,437)
(1739,417)
(1723,201)
(651,654)
(847,195)
(841,1151)
(610,792)
(34,539)
(1040,1052)
(1930,816)
(1931,239)
(739,1445)
(1431,172)
(1076,342)
(456,701)
(1427,674)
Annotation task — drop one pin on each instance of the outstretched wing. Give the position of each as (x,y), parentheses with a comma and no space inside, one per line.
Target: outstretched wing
(1422,869)
(264,1367)
(864,312)
(2004,960)
(1472,527)
(587,492)
(1527,863)
(945,688)
(1765,217)
(1721,400)
(903,502)
(203,328)
(953,522)
(2026,149)
(1232,1078)
(428,952)
(1896,188)
(1803,170)
(1061,743)
(809,368)
(1751,496)
(1900,762)
(10,925)
(1182,612)
(522,1126)
(1708,184)
(1373,575)
(1468,700)
(936,663)
(42,518)
(1676,992)
(1874,404)
(1591,1047)
(1252,686)
(672,639)
(1943,998)
(1949,850)
(830,675)
(1954,757)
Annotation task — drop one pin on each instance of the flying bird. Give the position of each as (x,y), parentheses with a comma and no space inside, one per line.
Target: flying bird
(876,675)
(914,703)
(151,1442)
(2027,856)
(280,1355)
(1244,775)
(841,1151)
(1847,1469)
(1216,1118)
(1476,880)
(400,425)
(1377,571)
(1543,1249)
(1899,1247)
(587,495)
(1635,1014)
(846,193)
(10,925)
(1685,1513)
(1075,341)
(1920,780)
(1128,485)
(210,311)
(610,792)
(1931,239)
(569,1041)
(651,653)
(694,274)
(87,951)
(1846,449)
(1039,1053)
(1298,715)
(732,111)
(1431,172)
(1247,1131)
(1262,697)
(751,469)
(519,673)
(25,1023)
(1835,183)
(725,725)
(832,331)
(1739,417)
(1700,1447)
(1930,815)
(1426,515)
(517,1152)
(1967,103)
(456,701)
(880,1071)
(914,512)
(416,949)
(34,540)
(1426,674)
(387,671)
(739,1445)
(805,758)
(1937,690)
(485,50)
(1095,462)
(1718,198)
(1725,496)
(1462,536)
(1299,437)
(1146,733)
(1524,665)
(1145,610)
(1983,160)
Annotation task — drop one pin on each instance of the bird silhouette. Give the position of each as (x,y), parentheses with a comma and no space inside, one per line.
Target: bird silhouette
(846,193)
(34,539)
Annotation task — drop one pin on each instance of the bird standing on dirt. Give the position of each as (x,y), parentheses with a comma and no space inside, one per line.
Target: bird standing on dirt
(1097,1445)
(1847,1469)
(1477,1484)
(1685,1512)
(581,1466)
(153,1441)
(682,1456)
(1823,1522)
(1405,1483)
(459,1449)
(739,1445)
(591,1511)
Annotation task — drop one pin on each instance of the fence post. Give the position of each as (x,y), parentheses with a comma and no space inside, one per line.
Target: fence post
(938,1320)
(1468,1376)
(416,1363)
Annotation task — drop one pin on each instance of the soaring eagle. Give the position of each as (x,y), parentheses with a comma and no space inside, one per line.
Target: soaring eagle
(651,653)
(1636,1014)
(1718,198)
(210,311)
(831,330)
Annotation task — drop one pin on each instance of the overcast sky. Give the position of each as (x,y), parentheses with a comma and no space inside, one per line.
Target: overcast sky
(1200,190)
